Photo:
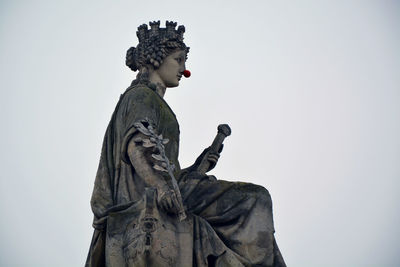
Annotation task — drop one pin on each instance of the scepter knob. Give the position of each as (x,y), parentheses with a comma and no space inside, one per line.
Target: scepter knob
(224,129)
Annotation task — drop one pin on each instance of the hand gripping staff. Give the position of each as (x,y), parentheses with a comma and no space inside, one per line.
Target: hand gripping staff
(223,131)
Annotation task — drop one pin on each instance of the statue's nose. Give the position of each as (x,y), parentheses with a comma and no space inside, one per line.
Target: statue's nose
(183,68)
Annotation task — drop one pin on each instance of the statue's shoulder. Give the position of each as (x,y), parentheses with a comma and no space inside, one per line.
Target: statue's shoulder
(139,94)
(139,90)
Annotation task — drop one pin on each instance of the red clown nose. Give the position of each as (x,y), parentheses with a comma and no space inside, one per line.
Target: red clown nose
(186,73)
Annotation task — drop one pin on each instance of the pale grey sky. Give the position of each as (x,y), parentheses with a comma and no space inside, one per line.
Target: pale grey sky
(311,90)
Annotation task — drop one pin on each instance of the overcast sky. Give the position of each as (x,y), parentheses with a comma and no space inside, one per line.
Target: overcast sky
(311,90)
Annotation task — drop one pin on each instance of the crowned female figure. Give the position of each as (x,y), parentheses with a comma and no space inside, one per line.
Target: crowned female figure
(150,212)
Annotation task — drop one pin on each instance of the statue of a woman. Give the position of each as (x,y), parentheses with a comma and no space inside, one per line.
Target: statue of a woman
(149,212)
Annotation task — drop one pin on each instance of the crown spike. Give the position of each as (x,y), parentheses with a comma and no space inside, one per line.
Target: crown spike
(181,31)
(170,26)
(155,27)
(142,32)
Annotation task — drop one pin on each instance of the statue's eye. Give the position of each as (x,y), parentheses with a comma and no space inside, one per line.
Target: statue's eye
(178,59)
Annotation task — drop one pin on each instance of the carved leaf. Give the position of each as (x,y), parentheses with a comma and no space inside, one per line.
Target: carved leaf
(158,157)
(151,128)
(141,128)
(159,168)
(148,143)
(138,140)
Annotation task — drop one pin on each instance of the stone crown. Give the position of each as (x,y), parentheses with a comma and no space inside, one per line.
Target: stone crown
(155,32)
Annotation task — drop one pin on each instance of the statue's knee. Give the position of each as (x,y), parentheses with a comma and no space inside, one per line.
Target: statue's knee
(257,191)
(261,194)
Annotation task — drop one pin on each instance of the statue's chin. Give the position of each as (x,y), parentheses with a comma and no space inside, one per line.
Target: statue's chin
(170,85)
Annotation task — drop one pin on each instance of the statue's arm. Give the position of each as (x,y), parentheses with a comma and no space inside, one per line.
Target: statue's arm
(206,155)
(142,164)
(140,158)
(209,158)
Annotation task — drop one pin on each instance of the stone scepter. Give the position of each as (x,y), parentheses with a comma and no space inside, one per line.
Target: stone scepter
(223,131)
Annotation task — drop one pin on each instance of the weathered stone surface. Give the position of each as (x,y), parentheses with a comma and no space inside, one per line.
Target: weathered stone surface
(142,236)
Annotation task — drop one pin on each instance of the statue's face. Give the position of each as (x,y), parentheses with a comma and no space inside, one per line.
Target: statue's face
(170,71)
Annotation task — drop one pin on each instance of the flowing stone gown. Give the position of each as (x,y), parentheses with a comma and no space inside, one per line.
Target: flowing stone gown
(228,224)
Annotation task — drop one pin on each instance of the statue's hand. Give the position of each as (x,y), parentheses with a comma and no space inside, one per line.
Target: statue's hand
(206,156)
(168,201)
(212,158)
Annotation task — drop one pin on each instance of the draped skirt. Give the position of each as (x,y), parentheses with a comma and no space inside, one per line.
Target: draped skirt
(228,224)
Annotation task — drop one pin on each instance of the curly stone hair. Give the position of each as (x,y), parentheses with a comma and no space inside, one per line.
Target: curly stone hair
(155,44)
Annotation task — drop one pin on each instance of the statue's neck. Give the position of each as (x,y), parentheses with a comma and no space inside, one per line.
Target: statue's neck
(160,89)
(160,86)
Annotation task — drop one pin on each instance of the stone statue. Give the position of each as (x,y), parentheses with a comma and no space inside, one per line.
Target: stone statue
(150,212)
